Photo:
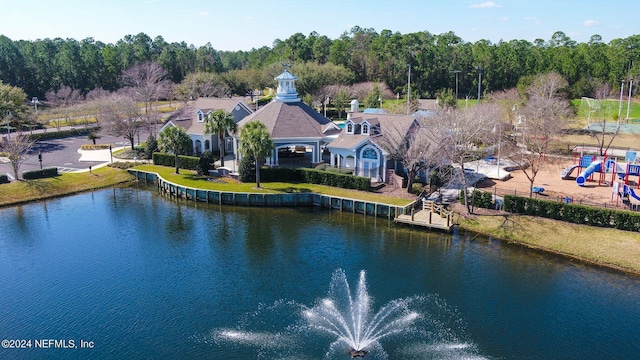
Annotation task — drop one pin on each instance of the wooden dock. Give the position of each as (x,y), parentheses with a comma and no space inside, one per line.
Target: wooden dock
(431,215)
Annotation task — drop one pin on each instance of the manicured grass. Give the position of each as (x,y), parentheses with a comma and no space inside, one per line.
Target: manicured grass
(189,179)
(607,247)
(18,192)
(612,105)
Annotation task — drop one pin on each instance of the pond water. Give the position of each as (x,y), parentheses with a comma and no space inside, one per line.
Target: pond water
(127,273)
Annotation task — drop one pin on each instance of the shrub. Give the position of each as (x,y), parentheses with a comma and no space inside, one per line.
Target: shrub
(186,162)
(573,213)
(205,163)
(280,174)
(95,147)
(40,174)
(4,179)
(478,198)
(122,165)
(322,167)
(247,170)
(417,188)
(150,147)
(63,133)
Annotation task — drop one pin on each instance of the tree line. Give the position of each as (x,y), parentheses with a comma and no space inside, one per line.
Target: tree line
(358,55)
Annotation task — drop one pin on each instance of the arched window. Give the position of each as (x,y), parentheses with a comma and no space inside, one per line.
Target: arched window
(200,116)
(370,153)
(365,129)
(207,144)
(349,128)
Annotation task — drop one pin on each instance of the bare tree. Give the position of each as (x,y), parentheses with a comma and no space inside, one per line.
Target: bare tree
(511,102)
(147,82)
(603,113)
(411,147)
(63,98)
(17,149)
(201,84)
(457,133)
(121,115)
(546,112)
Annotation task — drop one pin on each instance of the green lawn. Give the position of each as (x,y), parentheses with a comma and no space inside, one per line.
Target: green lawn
(602,246)
(190,179)
(18,192)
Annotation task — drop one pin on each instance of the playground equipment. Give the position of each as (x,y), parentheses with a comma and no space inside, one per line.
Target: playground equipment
(589,165)
(593,167)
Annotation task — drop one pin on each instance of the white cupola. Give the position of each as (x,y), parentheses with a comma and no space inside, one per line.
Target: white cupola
(286,91)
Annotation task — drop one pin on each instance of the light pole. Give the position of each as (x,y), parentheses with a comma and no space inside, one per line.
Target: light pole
(523,125)
(499,124)
(326,102)
(479,81)
(380,100)
(456,72)
(8,122)
(408,89)
(629,99)
(34,101)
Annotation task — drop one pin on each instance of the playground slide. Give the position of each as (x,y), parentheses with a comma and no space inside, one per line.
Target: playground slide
(567,172)
(582,178)
(633,194)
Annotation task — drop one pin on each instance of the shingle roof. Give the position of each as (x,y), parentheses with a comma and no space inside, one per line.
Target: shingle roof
(291,120)
(384,122)
(189,119)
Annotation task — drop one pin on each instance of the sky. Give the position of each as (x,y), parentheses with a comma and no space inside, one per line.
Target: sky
(245,24)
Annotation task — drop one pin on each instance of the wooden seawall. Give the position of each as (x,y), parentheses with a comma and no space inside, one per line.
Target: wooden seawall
(273,200)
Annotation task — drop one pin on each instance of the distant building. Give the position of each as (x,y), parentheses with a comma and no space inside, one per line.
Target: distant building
(192,121)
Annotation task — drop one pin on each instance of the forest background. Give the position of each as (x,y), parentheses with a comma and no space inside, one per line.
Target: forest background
(438,63)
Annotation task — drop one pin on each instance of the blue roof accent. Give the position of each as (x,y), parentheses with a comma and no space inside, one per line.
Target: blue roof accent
(373,111)
(424,113)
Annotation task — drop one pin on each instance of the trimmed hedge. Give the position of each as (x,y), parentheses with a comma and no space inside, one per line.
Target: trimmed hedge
(573,213)
(313,176)
(4,179)
(479,198)
(95,147)
(186,162)
(40,174)
(63,133)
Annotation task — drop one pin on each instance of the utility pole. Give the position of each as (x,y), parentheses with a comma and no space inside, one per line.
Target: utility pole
(629,99)
(479,81)
(620,102)
(456,72)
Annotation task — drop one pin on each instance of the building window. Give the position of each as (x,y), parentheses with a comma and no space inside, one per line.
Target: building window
(370,153)
(200,116)
(207,144)
(365,129)
(349,128)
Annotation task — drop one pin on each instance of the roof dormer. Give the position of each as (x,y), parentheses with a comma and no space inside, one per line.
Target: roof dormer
(349,127)
(365,128)
(200,116)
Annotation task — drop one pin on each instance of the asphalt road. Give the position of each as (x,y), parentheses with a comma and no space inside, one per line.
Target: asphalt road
(63,154)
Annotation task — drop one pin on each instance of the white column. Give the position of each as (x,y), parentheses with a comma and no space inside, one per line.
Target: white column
(384,169)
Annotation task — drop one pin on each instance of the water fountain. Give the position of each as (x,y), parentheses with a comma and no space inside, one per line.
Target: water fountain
(414,327)
(350,319)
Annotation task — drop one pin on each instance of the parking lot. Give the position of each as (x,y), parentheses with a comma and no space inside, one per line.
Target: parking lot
(64,154)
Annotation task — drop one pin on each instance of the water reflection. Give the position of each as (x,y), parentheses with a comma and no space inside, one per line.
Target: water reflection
(147,276)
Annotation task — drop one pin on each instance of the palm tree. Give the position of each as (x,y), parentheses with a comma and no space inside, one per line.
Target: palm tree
(220,122)
(256,142)
(176,140)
